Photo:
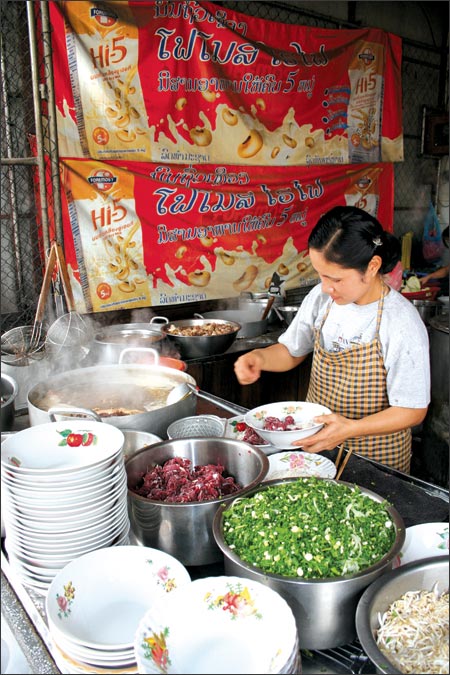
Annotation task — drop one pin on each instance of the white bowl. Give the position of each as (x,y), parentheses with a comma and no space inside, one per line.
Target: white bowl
(219,624)
(44,450)
(427,540)
(303,413)
(98,599)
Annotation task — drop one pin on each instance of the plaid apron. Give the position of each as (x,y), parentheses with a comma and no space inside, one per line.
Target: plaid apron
(353,383)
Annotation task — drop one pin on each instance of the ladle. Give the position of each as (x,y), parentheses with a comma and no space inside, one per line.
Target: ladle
(184,389)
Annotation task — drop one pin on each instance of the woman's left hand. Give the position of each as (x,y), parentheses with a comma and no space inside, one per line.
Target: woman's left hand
(335,431)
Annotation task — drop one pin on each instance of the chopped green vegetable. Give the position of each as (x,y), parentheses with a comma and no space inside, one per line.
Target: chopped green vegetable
(309,528)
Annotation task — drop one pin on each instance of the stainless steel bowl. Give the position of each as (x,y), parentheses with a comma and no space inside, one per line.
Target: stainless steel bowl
(414,576)
(197,346)
(288,313)
(324,609)
(185,530)
(136,440)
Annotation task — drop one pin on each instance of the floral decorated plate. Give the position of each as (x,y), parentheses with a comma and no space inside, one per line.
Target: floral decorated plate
(296,463)
(423,541)
(222,624)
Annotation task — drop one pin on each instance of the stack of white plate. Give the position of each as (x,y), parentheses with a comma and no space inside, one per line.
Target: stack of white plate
(64,493)
(94,605)
(220,624)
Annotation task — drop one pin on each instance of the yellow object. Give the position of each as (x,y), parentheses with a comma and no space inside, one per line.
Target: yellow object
(406,250)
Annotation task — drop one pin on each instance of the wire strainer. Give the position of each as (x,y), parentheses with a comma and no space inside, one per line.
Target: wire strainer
(70,333)
(23,344)
(16,346)
(197,425)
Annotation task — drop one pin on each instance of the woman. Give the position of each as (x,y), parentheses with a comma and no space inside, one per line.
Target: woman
(370,346)
(441,273)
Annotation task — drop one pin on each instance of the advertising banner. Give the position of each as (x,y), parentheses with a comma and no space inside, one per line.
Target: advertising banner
(197,83)
(139,234)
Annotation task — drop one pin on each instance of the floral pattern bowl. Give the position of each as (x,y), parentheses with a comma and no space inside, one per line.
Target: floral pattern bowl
(301,414)
(94,604)
(219,624)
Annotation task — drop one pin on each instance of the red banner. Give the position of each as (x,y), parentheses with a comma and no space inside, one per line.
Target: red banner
(155,234)
(195,83)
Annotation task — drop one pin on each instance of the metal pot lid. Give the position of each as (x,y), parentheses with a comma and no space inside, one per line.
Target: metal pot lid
(123,333)
(440,322)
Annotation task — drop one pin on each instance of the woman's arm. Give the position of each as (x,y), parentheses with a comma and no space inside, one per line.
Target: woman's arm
(440,273)
(276,359)
(337,428)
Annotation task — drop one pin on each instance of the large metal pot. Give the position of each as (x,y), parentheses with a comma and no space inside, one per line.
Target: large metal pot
(249,301)
(9,393)
(184,529)
(324,609)
(250,320)
(131,387)
(109,342)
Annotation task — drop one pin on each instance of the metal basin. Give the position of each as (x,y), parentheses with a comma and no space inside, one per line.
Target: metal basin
(376,599)
(130,387)
(185,530)
(324,609)
(198,346)
(251,323)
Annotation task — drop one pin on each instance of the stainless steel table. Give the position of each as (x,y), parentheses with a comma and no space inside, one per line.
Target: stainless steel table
(416,501)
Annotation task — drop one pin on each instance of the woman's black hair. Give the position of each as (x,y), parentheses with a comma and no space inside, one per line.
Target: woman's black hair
(350,237)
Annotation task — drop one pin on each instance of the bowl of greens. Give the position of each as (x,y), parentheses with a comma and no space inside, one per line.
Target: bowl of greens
(316,541)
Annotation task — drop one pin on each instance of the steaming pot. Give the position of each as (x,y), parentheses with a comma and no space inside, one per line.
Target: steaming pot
(132,396)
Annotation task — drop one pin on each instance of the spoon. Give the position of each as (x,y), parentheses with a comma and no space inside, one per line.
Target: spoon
(185,389)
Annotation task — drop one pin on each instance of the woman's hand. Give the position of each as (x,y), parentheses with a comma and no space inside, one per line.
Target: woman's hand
(248,367)
(335,431)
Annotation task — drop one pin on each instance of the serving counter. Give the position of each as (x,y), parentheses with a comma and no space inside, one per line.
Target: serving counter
(416,501)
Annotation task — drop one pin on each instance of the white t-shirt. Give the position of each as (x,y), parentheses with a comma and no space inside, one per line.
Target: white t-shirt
(403,337)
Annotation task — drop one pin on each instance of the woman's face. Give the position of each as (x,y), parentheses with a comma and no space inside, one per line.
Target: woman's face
(345,285)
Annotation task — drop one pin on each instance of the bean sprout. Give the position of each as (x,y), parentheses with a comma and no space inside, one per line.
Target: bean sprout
(414,632)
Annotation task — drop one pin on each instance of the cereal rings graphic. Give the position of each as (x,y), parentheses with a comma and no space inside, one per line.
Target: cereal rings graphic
(199,278)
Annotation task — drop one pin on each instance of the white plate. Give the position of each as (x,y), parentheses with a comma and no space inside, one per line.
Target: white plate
(296,463)
(423,541)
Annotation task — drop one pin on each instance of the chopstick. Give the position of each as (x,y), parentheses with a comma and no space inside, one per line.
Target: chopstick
(340,466)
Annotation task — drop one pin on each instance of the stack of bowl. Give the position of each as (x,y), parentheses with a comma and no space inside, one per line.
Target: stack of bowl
(95,603)
(219,625)
(64,494)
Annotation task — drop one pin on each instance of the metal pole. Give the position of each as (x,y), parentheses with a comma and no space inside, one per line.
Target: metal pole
(53,129)
(40,159)
(11,184)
